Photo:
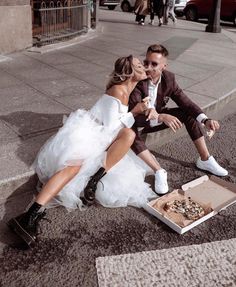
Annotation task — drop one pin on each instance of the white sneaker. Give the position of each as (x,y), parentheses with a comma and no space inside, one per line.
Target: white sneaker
(141,22)
(212,166)
(161,185)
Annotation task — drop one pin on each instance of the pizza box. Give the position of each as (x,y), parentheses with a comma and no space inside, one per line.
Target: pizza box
(212,191)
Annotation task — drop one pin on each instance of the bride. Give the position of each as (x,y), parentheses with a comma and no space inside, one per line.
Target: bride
(91,152)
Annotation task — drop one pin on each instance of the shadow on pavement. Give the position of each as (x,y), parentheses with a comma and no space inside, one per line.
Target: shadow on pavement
(33,130)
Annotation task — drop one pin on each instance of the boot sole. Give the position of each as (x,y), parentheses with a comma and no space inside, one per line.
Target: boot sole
(18,230)
(87,202)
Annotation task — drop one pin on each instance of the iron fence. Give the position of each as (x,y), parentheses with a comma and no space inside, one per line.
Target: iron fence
(60,20)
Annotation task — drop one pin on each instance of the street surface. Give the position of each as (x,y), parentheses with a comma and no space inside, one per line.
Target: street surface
(69,245)
(37,90)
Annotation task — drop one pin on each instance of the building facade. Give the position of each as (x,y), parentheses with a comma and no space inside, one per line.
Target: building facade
(24,23)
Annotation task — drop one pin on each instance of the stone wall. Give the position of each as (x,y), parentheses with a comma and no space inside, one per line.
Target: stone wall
(15,25)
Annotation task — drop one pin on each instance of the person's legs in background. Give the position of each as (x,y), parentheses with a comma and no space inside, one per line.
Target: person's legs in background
(159,8)
(171,14)
(151,18)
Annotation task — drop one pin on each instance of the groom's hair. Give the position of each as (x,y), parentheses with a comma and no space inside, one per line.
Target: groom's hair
(155,48)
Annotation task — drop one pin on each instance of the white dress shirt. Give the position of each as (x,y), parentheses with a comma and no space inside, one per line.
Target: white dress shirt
(152,93)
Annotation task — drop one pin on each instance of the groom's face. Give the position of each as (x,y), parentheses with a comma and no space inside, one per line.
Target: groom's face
(155,63)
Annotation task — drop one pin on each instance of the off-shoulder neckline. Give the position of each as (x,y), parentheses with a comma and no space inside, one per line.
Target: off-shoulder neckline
(116,99)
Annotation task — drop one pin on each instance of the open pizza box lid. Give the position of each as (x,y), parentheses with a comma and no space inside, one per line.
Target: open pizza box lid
(207,190)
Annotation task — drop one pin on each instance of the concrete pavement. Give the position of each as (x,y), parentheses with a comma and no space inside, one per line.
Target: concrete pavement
(38,87)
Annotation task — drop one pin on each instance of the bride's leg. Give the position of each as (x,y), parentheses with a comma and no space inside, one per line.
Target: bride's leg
(115,153)
(26,224)
(56,183)
(119,147)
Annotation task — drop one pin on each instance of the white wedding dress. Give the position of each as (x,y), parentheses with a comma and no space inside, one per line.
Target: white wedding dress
(83,140)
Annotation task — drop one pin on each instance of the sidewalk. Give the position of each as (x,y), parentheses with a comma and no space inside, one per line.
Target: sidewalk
(37,89)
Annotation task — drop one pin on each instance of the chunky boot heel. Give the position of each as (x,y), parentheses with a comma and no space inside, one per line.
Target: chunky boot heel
(17,228)
(88,195)
(25,226)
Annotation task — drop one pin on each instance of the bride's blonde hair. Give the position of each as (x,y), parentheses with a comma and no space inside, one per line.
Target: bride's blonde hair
(123,70)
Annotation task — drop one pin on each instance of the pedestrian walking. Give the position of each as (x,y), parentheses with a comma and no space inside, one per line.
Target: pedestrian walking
(141,11)
(156,8)
(169,11)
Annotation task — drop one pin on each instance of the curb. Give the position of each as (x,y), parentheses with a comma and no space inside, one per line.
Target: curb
(229,35)
(91,34)
(29,179)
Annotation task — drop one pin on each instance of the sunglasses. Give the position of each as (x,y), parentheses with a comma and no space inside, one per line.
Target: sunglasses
(147,63)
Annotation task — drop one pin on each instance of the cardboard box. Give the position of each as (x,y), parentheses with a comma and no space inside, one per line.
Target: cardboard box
(207,190)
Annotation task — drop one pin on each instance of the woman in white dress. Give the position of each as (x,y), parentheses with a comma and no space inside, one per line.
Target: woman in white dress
(92,148)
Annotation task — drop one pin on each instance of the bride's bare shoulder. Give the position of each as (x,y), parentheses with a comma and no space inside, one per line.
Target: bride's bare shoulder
(117,92)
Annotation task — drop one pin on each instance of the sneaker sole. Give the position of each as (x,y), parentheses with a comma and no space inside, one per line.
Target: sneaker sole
(160,194)
(206,170)
(18,230)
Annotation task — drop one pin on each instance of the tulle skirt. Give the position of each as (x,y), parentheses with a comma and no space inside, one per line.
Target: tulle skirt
(83,141)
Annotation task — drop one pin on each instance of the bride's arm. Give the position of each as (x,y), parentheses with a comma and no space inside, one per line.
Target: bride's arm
(113,118)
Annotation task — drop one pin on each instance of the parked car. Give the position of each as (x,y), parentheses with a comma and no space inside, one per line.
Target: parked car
(127,5)
(196,9)
(110,4)
(179,7)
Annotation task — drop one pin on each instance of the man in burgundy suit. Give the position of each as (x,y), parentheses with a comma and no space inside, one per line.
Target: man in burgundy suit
(160,87)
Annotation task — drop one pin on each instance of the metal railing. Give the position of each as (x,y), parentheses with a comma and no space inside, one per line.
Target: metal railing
(60,20)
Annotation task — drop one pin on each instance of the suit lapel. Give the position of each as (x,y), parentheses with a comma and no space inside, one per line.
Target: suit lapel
(160,94)
(145,89)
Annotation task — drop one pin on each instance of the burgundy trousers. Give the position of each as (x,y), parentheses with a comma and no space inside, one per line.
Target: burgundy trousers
(192,125)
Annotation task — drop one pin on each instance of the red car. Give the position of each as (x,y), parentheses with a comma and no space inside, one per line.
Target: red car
(196,9)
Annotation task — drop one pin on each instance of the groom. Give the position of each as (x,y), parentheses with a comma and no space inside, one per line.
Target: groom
(160,87)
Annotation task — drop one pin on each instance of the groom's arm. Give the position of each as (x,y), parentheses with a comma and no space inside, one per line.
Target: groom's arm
(137,96)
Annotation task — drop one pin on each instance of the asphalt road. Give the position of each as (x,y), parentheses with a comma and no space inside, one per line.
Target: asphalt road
(69,245)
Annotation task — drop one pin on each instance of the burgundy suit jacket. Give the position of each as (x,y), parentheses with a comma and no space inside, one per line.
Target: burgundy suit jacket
(168,88)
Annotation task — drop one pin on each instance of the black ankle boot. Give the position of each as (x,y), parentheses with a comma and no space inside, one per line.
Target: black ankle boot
(88,196)
(26,225)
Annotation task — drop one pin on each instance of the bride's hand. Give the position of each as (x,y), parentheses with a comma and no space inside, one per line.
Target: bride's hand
(139,108)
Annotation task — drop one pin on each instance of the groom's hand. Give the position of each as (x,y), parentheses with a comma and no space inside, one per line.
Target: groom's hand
(171,121)
(212,125)
(151,114)
(139,108)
